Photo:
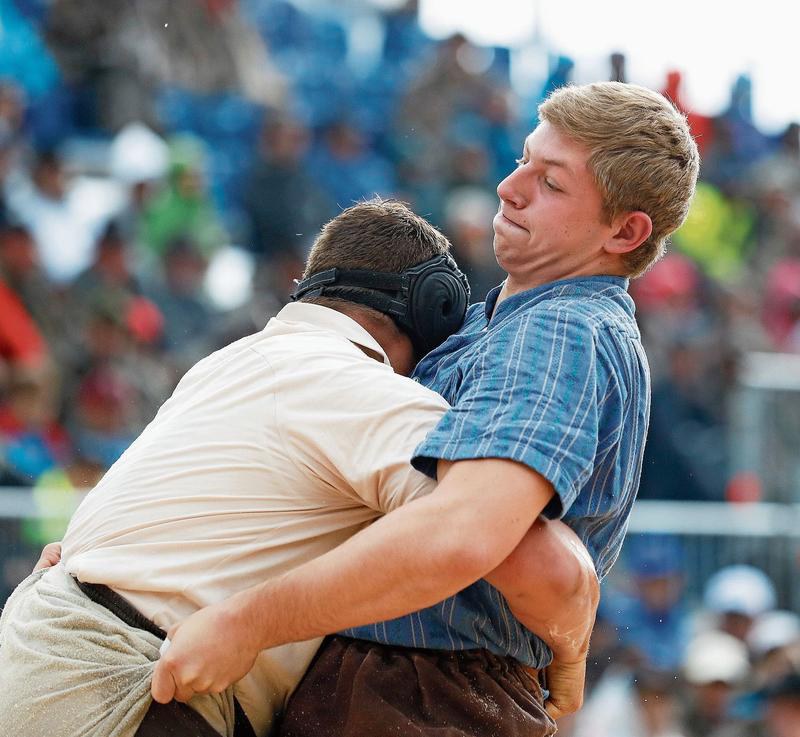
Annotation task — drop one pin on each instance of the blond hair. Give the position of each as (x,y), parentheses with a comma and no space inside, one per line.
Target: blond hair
(641,155)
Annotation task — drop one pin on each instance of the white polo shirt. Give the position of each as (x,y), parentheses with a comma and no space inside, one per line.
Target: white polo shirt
(270,452)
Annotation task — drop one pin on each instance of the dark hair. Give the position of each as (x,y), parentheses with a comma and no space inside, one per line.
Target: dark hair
(378,235)
(47,157)
(13,230)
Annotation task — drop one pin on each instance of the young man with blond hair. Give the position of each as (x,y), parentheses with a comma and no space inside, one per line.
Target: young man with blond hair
(549,388)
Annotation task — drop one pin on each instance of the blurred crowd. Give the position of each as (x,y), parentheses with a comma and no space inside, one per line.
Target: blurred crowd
(662,665)
(164,167)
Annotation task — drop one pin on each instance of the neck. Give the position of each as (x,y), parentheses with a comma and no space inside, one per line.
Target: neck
(515,284)
(395,344)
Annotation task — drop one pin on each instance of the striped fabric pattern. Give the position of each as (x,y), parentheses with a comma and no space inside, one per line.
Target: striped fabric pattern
(556,379)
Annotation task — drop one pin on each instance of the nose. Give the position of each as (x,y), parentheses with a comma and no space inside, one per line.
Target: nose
(512,190)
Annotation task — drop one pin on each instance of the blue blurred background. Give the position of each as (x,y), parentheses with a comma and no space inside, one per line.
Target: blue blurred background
(164,167)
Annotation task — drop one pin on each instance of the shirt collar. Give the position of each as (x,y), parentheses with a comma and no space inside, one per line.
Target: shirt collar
(334,321)
(576,285)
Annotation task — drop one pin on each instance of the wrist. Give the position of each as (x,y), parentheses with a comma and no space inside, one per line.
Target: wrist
(244,621)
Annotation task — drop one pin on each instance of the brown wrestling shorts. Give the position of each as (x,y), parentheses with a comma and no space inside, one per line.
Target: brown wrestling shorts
(356,688)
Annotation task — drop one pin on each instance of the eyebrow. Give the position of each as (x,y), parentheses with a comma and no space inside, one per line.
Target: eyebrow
(550,162)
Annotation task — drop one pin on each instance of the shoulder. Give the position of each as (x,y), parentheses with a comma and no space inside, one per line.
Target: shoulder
(609,308)
(602,323)
(382,385)
(572,333)
(554,321)
(334,375)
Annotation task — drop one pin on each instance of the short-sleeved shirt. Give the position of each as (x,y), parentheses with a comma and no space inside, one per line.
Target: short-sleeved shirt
(555,378)
(270,452)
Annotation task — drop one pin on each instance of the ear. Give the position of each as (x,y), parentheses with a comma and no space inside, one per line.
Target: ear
(630,230)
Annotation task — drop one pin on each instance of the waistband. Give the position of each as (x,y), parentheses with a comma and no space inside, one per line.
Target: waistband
(130,615)
(480,657)
(120,607)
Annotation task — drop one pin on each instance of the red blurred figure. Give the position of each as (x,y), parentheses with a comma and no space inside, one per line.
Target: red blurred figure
(701,126)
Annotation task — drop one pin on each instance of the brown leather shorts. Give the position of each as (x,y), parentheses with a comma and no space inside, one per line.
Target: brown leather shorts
(356,688)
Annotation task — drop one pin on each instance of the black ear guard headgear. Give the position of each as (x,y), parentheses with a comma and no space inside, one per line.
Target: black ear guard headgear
(427,301)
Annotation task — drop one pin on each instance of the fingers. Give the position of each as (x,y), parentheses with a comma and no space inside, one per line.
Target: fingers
(173,679)
(163,686)
(185,693)
(554,712)
(560,707)
(51,555)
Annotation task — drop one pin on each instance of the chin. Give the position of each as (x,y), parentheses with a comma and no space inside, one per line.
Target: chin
(501,254)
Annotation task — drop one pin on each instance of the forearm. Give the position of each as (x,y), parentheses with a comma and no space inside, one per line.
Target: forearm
(412,558)
(550,584)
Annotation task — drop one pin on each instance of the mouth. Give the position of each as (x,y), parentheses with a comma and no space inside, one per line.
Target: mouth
(508,221)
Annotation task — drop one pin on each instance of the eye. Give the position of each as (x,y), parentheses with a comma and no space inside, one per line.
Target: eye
(521,162)
(551,185)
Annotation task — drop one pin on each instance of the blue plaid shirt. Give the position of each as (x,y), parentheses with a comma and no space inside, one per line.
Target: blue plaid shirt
(556,379)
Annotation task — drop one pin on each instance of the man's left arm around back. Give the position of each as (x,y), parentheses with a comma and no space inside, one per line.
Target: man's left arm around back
(550,583)
(410,559)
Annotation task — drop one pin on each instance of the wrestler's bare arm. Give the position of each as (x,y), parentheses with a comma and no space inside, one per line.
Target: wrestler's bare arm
(410,559)
(550,584)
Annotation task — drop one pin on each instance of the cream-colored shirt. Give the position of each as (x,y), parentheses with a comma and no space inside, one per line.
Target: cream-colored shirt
(271,451)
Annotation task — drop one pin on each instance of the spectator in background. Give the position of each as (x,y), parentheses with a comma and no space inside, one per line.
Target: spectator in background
(783,706)
(716,666)
(405,44)
(736,596)
(34,440)
(21,343)
(282,198)
(637,703)
(346,167)
(779,709)
(121,338)
(719,234)
(182,207)
(686,456)
(178,296)
(63,227)
(48,307)
(104,408)
(774,643)
(653,620)
(445,89)
(57,493)
(468,224)
(111,267)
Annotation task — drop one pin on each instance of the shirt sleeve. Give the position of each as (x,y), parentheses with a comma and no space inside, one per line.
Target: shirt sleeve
(531,397)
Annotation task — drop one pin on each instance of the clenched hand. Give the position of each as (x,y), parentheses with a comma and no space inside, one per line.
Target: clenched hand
(208,652)
(51,555)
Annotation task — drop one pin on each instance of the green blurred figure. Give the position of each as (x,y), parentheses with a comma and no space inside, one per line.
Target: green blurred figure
(56,494)
(182,207)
